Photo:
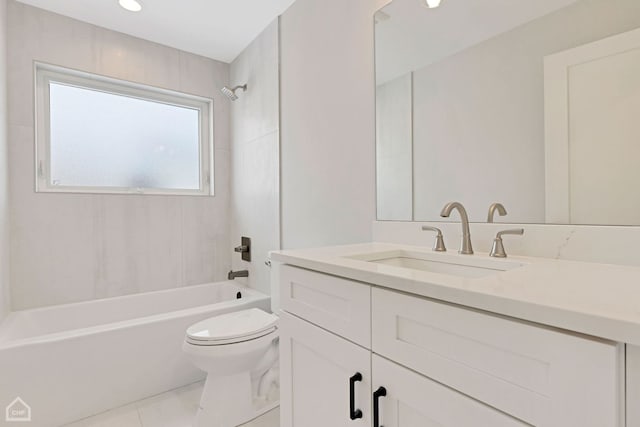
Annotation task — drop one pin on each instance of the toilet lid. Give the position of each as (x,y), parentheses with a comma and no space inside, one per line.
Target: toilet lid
(233,326)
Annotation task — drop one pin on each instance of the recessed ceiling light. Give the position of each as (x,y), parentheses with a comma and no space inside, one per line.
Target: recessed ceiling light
(131,5)
(432,3)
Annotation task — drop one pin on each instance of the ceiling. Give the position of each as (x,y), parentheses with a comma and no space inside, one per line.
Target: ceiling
(410,36)
(218,29)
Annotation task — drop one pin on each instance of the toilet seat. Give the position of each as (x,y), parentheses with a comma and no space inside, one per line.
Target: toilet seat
(230,328)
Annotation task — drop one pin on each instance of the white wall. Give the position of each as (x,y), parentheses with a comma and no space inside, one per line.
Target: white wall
(255,186)
(4,164)
(327,115)
(74,247)
(394,149)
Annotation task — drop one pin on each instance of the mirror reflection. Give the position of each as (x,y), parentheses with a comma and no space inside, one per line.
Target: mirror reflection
(533,105)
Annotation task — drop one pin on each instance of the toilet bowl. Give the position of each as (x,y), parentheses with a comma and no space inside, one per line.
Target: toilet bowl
(239,353)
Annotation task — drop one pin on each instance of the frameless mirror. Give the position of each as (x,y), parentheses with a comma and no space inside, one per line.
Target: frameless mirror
(532,104)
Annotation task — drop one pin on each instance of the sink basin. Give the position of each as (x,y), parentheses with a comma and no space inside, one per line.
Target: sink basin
(470,266)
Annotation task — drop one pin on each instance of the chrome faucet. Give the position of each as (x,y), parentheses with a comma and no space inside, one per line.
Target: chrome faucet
(233,274)
(492,210)
(465,246)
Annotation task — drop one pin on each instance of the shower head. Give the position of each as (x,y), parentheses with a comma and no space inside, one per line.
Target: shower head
(231,92)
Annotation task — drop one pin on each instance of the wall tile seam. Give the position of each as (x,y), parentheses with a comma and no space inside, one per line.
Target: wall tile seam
(257,138)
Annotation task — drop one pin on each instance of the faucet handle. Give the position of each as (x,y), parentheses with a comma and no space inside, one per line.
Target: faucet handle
(439,244)
(497,250)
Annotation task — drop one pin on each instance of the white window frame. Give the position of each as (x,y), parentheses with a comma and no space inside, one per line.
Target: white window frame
(45,74)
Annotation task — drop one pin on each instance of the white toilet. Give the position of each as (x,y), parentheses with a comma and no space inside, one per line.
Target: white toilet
(239,353)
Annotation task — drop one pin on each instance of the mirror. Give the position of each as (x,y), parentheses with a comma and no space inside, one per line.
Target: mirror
(532,104)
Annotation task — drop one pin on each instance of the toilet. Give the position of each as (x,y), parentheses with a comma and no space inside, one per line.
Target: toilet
(239,353)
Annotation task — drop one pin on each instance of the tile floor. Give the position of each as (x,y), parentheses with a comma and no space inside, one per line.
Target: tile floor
(175,408)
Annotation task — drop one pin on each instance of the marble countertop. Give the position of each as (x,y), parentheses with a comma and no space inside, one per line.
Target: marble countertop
(600,300)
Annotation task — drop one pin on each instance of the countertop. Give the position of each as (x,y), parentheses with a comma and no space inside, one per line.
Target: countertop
(599,300)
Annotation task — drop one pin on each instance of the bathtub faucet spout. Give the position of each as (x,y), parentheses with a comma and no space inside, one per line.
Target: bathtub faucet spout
(233,274)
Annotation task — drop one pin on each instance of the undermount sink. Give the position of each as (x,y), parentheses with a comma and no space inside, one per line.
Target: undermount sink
(470,266)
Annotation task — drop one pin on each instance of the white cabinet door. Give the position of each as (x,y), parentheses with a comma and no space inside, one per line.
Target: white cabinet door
(544,377)
(316,367)
(633,386)
(412,400)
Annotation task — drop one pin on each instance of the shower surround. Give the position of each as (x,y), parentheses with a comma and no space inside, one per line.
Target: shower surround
(77,247)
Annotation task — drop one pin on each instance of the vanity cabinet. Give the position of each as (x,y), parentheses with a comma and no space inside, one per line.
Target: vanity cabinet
(425,363)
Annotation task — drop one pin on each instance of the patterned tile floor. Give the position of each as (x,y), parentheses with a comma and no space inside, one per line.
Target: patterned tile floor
(175,408)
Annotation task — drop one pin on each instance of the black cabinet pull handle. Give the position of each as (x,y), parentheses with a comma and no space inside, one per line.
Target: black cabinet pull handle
(380,392)
(354,413)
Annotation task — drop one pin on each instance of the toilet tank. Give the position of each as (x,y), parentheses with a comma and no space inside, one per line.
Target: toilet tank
(275,286)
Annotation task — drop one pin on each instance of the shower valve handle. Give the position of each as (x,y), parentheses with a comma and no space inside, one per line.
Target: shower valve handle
(244,249)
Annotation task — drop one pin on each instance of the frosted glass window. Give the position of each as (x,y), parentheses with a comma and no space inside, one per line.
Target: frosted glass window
(103,139)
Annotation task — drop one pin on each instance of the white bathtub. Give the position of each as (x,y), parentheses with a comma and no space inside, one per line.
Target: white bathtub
(71,361)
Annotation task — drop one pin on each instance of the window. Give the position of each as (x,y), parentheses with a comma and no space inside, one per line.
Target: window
(102,135)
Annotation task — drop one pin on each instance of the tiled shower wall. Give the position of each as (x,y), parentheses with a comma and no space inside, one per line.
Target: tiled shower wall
(4,185)
(75,247)
(255,155)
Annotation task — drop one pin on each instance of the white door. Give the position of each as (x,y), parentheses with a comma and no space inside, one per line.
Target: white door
(412,400)
(592,104)
(319,375)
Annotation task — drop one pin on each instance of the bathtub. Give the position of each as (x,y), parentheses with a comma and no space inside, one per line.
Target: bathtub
(71,361)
